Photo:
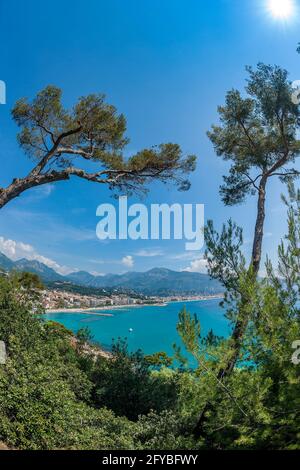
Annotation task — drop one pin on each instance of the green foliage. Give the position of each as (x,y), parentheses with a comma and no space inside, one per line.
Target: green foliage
(189,330)
(257,133)
(289,256)
(128,387)
(92,131)
(164,431)
(53,394)
(84,335)
(258,405)
(223,253)
(159,359)
(44,394)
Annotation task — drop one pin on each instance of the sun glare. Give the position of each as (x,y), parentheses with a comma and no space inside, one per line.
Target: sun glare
(281,9)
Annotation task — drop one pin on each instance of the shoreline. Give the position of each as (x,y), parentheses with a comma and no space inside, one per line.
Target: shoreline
(96,310)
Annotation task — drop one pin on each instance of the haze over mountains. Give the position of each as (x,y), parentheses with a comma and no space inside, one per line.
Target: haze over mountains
(157,281)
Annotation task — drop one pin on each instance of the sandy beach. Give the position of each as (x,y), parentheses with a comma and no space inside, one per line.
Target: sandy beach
(97,310)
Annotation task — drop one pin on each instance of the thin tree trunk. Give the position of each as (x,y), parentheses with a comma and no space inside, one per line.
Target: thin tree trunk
(259,227)
(19,185)
(241,324)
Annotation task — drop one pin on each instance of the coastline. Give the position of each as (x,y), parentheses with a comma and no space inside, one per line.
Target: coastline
(97,310)
(208,297)
(94,310)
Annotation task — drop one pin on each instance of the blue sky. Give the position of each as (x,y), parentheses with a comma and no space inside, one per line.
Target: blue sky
(166,66)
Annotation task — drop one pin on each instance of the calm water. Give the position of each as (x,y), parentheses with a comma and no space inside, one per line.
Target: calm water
(154,328)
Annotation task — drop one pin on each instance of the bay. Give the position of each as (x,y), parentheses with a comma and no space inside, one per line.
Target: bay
(153,327)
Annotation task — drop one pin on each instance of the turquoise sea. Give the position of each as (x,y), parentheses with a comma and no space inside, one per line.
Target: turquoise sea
(154,327)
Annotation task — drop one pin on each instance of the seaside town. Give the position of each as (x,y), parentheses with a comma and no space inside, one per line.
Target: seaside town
(56,300)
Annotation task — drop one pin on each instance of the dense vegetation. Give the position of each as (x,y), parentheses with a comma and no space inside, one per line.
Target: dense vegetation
(54,393)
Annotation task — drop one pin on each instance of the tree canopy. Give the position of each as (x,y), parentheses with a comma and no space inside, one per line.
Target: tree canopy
(88,142)
(257,133)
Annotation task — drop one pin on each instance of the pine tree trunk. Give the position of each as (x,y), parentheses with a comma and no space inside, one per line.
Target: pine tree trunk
(259,227)
(20,185)
(241,325)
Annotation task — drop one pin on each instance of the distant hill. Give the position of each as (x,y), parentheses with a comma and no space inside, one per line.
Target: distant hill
(5,263)
(157,281)
(33,266)
(69,286)
(85,278)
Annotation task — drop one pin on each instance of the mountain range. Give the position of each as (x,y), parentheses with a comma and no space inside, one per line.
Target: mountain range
(157,281)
